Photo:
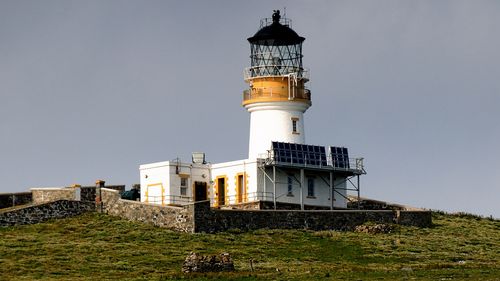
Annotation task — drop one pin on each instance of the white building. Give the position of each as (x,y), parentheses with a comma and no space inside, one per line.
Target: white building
(281,170)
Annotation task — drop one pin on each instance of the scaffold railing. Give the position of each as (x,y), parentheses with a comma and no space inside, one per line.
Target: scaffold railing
(176,200)
(243,198)
(354,165)
(169,200)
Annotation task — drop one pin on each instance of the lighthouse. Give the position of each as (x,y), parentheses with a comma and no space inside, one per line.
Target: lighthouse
(282,171)
(277,97)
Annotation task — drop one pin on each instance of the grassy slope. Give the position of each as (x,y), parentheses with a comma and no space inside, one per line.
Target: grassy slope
(99,247)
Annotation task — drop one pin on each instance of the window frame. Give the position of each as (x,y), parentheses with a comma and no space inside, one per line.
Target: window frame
(183,188)
(295,125)
(311,187)
(289,185)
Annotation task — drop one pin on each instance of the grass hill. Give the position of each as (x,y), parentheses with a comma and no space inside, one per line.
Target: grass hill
(100,247)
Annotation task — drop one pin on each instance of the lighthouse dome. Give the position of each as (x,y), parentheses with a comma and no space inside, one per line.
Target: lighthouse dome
(276,34)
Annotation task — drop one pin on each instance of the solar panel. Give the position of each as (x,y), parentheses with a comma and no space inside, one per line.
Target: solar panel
(275,145)
(300,154)
(322,155)
(340,157)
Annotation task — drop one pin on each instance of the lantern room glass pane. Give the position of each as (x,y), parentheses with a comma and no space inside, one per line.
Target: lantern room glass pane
(271,60)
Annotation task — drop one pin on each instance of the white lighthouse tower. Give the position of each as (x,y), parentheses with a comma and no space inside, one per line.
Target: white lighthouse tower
(277,97)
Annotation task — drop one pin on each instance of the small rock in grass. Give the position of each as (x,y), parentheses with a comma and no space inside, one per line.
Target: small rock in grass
(212,263)
(373,229)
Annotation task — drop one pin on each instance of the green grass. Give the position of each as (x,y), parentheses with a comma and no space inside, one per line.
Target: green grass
(100,247)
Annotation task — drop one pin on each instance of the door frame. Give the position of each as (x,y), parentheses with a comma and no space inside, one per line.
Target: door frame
(194,190)
(217,188)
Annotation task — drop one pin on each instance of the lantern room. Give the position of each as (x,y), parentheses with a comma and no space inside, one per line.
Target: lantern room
(275,49)
(276,72)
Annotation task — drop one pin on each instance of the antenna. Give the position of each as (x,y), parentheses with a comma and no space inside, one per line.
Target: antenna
(284,11)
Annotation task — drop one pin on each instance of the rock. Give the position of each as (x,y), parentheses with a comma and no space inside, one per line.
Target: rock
(373,229)
(212,263)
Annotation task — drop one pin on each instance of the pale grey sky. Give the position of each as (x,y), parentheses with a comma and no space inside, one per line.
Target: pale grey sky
(91,89)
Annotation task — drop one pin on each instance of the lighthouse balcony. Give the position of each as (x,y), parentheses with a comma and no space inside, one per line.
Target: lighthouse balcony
(262,71)
(276,94)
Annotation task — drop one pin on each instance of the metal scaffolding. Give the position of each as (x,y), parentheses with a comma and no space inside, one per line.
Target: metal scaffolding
(328,176)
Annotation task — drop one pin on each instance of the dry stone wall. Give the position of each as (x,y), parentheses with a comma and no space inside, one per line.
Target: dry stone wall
(43,212)
(200,217)
(175,218)
(211,220)
(87,193)
(414,218)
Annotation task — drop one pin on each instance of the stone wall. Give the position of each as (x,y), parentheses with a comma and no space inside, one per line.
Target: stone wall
(211,220)
(373,204)
(50,194)
(14,199)
(415,218)
(175,218)
(87,193)
(39,213)
(200,217)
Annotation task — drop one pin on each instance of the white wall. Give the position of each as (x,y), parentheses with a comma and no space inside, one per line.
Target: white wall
(161,182)
(193,173)
(340,194)
(230,171)
(272,121)
(155,180)
(322,193)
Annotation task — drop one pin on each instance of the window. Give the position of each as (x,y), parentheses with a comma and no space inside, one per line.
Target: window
(184,185)
(290,185)
(310,187)
(294,125)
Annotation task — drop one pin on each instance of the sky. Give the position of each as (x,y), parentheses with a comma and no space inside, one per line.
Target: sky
(92,89)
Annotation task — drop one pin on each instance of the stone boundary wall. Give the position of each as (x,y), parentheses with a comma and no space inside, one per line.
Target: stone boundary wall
(211,220)
(87,193)
(14,199)
(200,217)
(174,218)
(43,212)
(373,204)
(419,218)
(50,194)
